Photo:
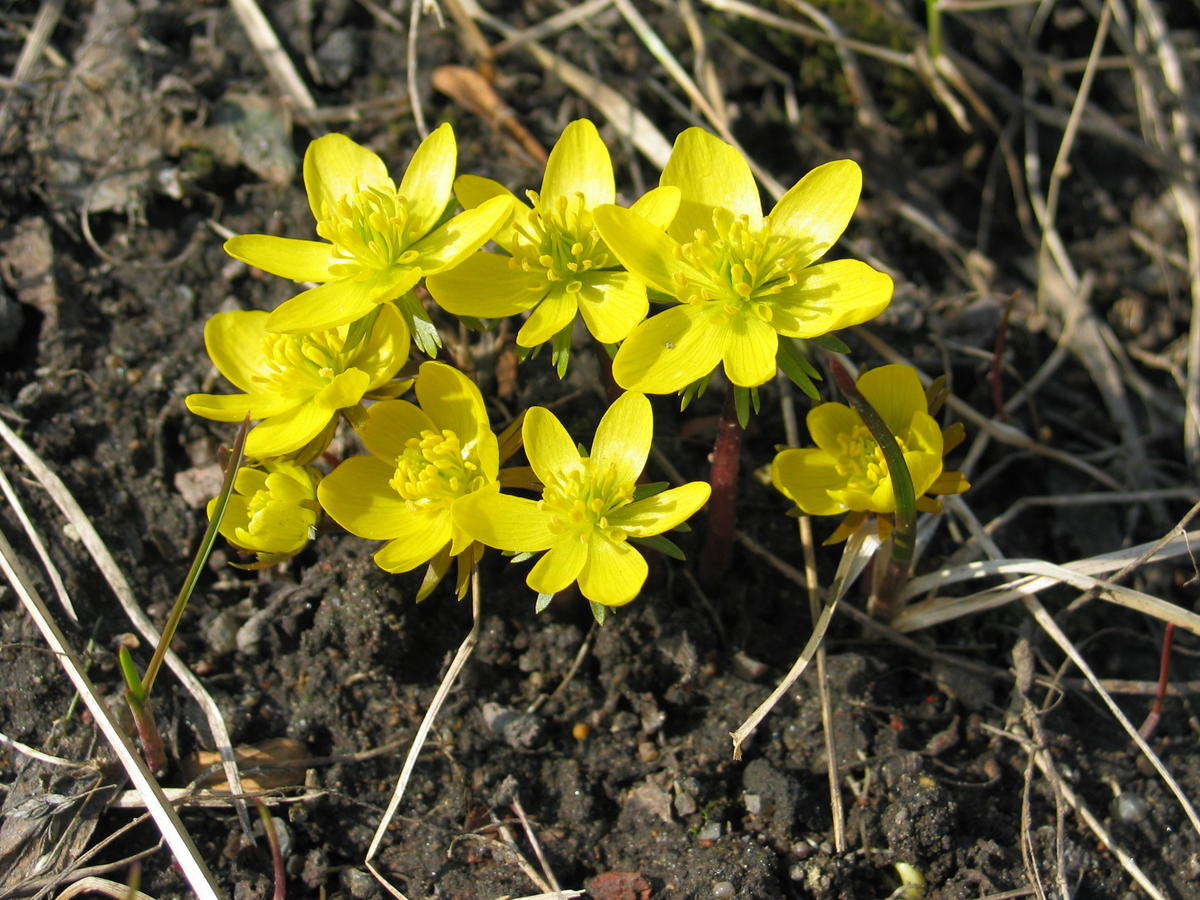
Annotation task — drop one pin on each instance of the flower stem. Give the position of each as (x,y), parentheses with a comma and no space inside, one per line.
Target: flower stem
(1164,677)
(722,505)
(883,603)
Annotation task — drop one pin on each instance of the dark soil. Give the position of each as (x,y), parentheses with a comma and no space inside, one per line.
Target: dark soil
(144,126)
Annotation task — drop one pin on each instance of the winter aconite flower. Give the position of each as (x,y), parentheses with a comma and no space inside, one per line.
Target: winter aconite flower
(272,511)
(742,280)
(424,462)
(556,264)
(846,473)
(587,512)
(382,239)
(296,383)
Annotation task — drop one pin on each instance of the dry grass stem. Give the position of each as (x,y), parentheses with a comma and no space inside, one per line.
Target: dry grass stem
(274,58)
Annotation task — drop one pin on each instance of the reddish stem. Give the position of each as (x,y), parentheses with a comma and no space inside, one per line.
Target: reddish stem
(722,505)
(1164,676)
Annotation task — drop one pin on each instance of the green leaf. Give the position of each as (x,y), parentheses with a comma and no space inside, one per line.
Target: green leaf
(642,491)
(741,401)
(663,545)
(521,557)
(831,343)
(793,364)
(600,612)
(543,600)
(360,329)
(424,333)
(561,356)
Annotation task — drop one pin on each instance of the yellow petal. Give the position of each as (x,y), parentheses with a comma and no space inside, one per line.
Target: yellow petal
(550,449)
(830,296)
(949,483)
(611,303)
(339,302)
(645,250)
(234,343)
(286,257)
(454,402)
(475,190)
(358,497)
(806,477)
(346,389)
(235,407)
(424,534)
(670,350)
(623,438)
(709,174)
(662,512)
(389,424)
(658,206)
(827,424)
(818,207)
(285,433)
(750,351)
(579,164)
(548,318)
(488,286)
(454,241)
(504,522)
(923,469)
(337,167)
(896,393)
(428,183)
(385,350)
(559,567)
(614,574)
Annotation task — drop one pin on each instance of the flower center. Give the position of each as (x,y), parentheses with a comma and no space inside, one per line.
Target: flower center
(371,229)
(559,239)
(860,459)
(291,359)
(582,500)
(435,469)
(736,268)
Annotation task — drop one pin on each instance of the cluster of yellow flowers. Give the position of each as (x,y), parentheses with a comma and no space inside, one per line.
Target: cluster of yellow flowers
(739,288)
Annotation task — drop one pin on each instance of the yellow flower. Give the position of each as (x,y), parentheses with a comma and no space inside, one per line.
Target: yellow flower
(272,511)
(587,512)
(382,238)
(295,383)
(424,462)
(846,473)
(557,265)
(741,280)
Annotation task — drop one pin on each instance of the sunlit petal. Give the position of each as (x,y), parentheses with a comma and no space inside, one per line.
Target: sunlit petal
(286,257)
(424,534)
(611,303)
(623,437)
(669,351)
(830,296)
(357,496)
(614,573)
(475,190)
(457,239)
(550,449)
(286,432)
(234,343)
(454,402)
(559,567)
(389,424)
(709,174)
(750,351)
(828,422)
(337,167)
(806,477)
(235,407)
(895,392)
(644,249)
(487,286)
(428,183)
(579,163)
(662,512)
(339,302)
(818,207)
(505,522)
(548,318)
(658,206)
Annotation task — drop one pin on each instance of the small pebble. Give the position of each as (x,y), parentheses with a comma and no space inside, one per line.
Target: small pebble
(1130,808)
(723,890)
(581,730)
(709,831)
(753,803)
(647,752)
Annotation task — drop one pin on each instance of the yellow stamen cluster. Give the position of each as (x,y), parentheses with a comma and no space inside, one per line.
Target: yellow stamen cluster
(738,267)
(559,240)
(860,459)
(318,354)
(435,469)
(372,229)
(581,501)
